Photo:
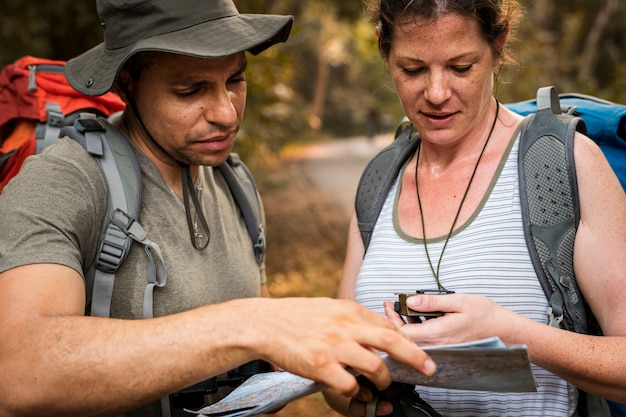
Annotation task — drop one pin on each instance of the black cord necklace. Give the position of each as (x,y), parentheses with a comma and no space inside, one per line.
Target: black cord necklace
(200,234)
(458,212)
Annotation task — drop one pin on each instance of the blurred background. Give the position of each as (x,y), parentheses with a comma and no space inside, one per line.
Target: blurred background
(328,79)
(326,86)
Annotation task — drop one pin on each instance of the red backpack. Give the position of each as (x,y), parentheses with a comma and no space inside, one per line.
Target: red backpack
(35,102)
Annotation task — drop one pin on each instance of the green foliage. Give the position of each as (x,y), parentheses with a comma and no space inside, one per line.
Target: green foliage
(58,29)
(325,80)
(569,45)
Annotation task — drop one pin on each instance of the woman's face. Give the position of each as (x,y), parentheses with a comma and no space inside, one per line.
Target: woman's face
(443,74)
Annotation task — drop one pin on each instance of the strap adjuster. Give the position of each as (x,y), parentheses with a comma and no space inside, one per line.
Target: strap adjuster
(554,321)
(259,246)
(115,242)
(54,116)
(84,124)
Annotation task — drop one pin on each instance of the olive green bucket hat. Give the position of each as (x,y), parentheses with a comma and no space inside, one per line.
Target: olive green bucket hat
(200,28)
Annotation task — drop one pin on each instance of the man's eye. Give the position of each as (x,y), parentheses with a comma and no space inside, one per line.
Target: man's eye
(238,79)
(186,94)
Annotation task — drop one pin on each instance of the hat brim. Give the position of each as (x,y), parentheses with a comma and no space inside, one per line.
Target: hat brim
(94,72)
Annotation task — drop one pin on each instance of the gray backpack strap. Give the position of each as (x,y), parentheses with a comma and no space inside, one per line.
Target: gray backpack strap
(378,177)
(550,207)
(243,188)
(120,227)
(47,133)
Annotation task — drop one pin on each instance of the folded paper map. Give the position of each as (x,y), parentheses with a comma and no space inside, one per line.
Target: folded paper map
(482,365)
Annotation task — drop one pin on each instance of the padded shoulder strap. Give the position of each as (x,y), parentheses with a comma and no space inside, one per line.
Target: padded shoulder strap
(550,207)
(121,172)
(379,175)
(241,184)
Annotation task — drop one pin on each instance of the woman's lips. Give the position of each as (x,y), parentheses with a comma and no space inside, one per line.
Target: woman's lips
(438,119)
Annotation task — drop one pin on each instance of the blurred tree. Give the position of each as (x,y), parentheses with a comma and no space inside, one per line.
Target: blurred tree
(578,46)
(327,78)
(332,75)
(57,29)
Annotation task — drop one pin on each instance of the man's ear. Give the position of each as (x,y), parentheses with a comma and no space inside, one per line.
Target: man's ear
(123,86)
(377,31)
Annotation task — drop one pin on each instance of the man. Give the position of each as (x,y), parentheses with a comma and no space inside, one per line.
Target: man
(180,68)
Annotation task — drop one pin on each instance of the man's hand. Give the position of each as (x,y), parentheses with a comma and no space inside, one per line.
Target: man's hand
(319,338)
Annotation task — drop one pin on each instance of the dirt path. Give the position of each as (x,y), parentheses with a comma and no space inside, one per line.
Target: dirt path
(334,168)
(308,197)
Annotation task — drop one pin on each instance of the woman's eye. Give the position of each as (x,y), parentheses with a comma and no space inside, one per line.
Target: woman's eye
(412,71)
(462,69)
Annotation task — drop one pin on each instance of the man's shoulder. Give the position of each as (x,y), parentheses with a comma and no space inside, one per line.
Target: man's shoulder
(61,185)
(72,156)
(63,168)
(67,150)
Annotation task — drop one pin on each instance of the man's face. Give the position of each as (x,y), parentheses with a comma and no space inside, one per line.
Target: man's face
(192,107)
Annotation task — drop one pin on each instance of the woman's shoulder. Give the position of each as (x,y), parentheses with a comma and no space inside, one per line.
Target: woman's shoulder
(592,168)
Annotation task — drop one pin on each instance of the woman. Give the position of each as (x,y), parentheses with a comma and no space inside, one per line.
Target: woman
(453,220)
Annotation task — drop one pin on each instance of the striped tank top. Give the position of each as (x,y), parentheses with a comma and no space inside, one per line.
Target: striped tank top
(487,255)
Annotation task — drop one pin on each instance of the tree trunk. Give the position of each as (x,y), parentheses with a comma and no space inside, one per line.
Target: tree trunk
(589,56)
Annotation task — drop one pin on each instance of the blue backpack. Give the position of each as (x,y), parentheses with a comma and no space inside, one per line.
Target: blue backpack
(548,197)
(605,121)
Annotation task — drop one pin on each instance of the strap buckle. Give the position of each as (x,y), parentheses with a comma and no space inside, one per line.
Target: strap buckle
(554,321)
(115,242)
(259,246)
(87,124)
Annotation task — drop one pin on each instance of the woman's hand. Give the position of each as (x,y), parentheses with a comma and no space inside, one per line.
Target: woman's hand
(466,317)
(356,406)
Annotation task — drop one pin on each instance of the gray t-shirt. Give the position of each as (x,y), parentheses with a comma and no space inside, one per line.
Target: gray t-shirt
(52,213)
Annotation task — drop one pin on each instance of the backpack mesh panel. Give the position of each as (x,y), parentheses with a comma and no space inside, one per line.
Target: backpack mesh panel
(372,185)
(543,185)
(544,164)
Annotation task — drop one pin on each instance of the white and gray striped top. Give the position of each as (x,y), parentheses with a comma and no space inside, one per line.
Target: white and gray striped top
(487,255)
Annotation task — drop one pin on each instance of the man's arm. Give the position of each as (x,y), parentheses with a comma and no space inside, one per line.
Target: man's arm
(55,361)
(351,266)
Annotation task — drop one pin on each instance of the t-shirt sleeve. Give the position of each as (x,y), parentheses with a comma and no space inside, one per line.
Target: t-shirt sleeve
(52,211)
